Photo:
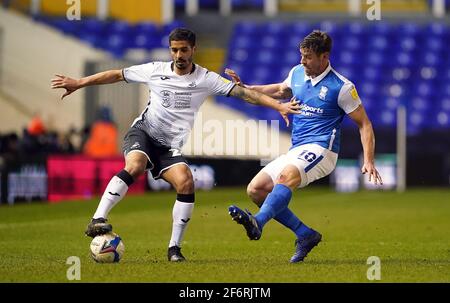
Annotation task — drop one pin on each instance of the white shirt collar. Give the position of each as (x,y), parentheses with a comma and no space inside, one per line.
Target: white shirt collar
(319,78)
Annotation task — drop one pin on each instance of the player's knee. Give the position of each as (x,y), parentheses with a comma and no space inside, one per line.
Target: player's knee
(255,194)
(184,185)
(135,167)
(289,179)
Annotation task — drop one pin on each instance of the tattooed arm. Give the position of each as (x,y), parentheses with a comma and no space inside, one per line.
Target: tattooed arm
(257,98)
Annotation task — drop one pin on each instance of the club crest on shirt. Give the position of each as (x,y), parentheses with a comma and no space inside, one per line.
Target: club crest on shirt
(167,97)
(192,84)
(323,92)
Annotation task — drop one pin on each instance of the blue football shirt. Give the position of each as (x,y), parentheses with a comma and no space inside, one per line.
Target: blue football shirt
(324,101)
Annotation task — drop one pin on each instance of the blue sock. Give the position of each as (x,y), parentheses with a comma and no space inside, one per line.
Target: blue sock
(291,221)
(275,202)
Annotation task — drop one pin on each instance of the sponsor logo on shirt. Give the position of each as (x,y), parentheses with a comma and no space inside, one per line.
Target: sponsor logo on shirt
(307,110)
(179,100)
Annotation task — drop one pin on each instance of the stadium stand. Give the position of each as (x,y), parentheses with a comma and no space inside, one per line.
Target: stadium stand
(114,36)
(390,64)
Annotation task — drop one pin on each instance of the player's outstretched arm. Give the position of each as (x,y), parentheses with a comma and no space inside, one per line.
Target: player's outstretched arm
(276,90)
(255,97)
(368,142)
(71,85)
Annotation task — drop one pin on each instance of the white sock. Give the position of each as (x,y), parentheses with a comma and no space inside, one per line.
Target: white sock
(182,212)
(114,192)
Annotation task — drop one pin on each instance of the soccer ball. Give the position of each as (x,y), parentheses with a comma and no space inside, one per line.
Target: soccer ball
(107,248)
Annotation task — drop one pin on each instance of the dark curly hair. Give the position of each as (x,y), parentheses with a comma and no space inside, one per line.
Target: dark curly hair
(317,41)
(182,34)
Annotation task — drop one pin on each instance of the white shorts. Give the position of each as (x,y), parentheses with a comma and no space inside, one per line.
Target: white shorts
(312,160)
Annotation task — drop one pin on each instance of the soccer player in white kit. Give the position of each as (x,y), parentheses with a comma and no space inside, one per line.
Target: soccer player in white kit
(325,98)
(178,89)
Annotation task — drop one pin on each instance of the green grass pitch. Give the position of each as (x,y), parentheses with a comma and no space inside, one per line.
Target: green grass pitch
(409,232)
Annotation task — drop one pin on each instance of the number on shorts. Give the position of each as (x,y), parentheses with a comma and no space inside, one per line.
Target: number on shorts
(308,156)
(175,152)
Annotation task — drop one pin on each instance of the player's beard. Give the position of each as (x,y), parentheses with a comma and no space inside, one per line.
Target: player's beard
(183,64)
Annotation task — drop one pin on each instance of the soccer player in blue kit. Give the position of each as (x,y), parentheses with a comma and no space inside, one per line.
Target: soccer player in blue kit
(325,98)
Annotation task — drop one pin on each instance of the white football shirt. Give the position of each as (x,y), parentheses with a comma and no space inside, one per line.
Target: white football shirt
(174,99)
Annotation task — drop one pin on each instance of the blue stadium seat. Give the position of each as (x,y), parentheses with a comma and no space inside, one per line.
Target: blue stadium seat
(292,42)
(382,28)
(291,57)
(146,28)
(246,28)
(426,72)
(390,103)
(432,58)
(168,27)
(274,28)
(66,26)
(243,42)
(437,29)
(374,58)
(444,104)
(408,29)
(368,89)
(384,117)
(441,119)
(352,43)
(334,29)
(301,29)
(207,4)
(91,39)
(436,44)
(239,4)
(271,42)
(92,26)
(379,43)
(119,28)
(354,28)
(147,42)
(419,103)
(265,57)
(416,121)
(372,74)
(424,89)
(445,89)
(407,44)
(345,58)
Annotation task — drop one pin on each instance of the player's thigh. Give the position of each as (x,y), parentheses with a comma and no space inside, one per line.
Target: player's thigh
(290,176)
(137,149)
(180,177)
(262,181)
(273,169)
(312,161)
